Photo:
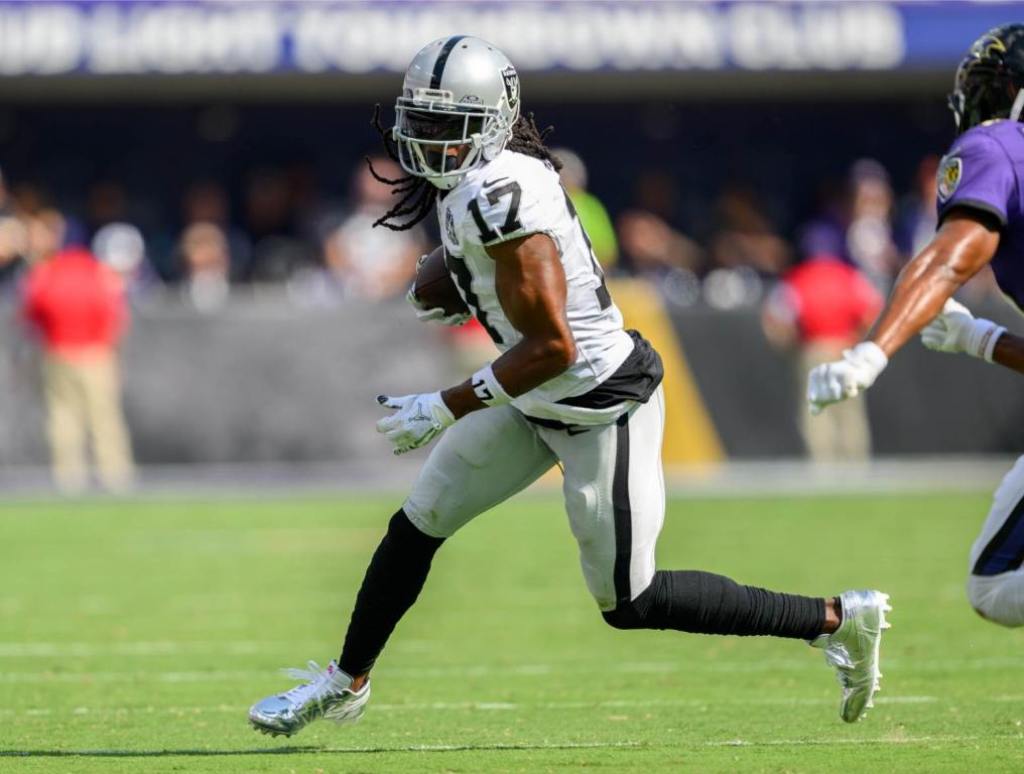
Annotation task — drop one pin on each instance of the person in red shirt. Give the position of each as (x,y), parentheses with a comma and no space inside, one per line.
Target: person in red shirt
(76,305)
(824,305)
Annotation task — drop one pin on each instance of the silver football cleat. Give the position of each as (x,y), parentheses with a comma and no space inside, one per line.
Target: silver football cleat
(324,694)
(853,650)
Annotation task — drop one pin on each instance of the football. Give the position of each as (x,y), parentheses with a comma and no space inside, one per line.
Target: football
(434,286)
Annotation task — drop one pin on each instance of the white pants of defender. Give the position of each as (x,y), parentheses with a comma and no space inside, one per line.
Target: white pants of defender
(996,583)
(614,487)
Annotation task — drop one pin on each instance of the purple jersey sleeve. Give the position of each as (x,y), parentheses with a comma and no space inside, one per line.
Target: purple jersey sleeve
(976,174)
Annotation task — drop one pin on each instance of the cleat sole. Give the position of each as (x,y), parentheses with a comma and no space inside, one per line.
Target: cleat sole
(268,731)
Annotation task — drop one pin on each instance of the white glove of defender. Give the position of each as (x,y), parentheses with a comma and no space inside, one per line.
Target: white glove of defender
(424,314)
(832,382)
(955,329)
(416,421)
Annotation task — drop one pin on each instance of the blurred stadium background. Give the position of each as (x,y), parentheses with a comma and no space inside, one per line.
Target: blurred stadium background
(211,153)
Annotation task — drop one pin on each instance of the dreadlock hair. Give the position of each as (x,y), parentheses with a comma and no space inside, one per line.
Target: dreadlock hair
(529,140)
(418,195)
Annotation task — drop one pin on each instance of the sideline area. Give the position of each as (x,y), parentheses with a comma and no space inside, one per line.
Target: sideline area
(760,478)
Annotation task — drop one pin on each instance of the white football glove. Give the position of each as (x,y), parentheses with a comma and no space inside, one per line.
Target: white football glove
(832,382)
(425,314)
(416,421)
(955,329)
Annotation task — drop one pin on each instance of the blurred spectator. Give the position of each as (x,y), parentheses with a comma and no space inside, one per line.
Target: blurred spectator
(653,248)
(827,229)
(45,232)
(918,213)
(656,191)
(267,204)
(591,211)
(25,199)
(869,233)
(278,251)
(745,236)
(692,248)
(6,202)
(368,262)
(77,306)
(121,247)
(822,306)
(13,243)
(732,288)
(206,201)
(651,244)
(13,248)
(204,255)
(105,203)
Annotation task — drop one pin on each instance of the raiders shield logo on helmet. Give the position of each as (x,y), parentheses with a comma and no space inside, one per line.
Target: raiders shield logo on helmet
(511,78)
(949,176)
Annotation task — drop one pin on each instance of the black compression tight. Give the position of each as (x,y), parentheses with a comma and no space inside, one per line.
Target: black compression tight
(683,600)
(392,582)
(705,603)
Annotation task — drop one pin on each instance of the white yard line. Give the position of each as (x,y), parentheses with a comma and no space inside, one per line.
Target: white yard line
(510,746)
(833,740)
(910,740)
(495,746)
(471,706)
(154,648)
(315,750)
(145,649)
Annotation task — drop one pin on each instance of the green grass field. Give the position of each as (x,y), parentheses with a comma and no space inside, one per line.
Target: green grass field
(134,635)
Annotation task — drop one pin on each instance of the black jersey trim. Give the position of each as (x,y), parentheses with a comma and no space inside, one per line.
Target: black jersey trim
(554,424)
(975,204)
(636,379)
(464,279)
(442,60)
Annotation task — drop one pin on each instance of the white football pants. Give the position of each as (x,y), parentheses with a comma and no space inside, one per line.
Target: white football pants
(996,583)
(614,488)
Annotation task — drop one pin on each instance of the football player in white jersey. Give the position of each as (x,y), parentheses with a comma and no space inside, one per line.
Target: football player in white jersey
(571,387)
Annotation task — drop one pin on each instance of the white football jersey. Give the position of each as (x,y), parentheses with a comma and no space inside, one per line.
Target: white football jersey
(512,196)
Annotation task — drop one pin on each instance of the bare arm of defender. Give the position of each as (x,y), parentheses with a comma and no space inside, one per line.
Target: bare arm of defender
(530,282)
(965,243)
(962,246)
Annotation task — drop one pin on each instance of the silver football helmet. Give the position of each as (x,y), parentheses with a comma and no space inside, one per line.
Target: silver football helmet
(459,103)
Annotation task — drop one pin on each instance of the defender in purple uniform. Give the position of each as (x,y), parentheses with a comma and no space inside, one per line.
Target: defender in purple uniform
(981,220)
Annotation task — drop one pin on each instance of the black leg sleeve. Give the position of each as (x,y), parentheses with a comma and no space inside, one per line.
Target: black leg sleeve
(392,582)
(705,603)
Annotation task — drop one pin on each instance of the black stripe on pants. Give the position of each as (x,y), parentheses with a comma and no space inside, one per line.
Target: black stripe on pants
(623,514)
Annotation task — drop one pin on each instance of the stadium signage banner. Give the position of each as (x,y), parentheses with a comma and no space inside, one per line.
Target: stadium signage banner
(176,37)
